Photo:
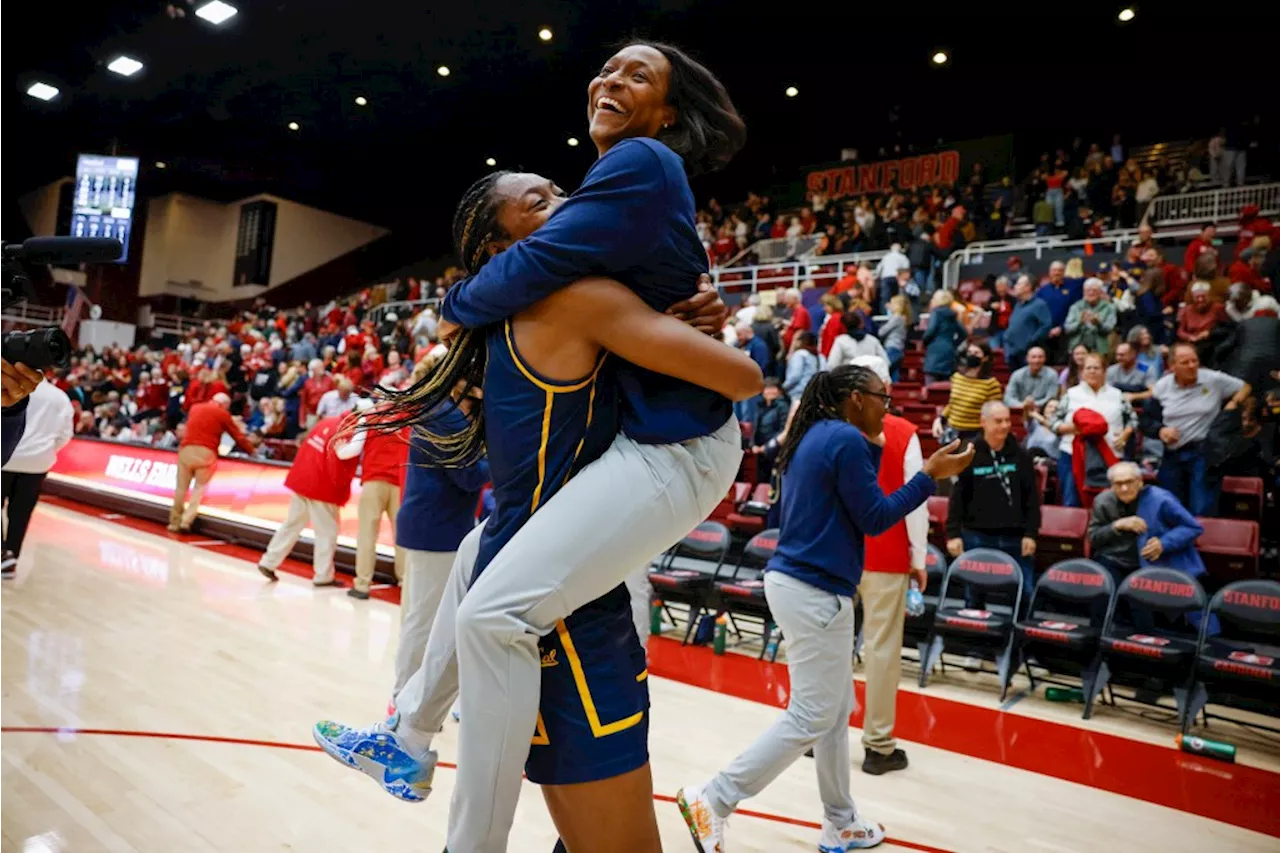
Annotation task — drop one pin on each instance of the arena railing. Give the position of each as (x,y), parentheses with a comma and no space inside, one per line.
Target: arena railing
(1038,247)
(402,309)
(823,270)
(174,324)
(25,313)
(1213,205)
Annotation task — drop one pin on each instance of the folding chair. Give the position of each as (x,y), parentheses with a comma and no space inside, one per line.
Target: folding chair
(1240,666)
(1162,652)
(980,633)
(915,630)
(709,542)
(1242,498)
(1069,606)
(939,509)
(1229,548)
(742,593)
(1062,535)
(748,518)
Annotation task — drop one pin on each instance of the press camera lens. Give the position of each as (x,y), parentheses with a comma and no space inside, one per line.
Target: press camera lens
(38,349)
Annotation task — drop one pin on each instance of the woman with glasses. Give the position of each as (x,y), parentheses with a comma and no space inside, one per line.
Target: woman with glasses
(830,501)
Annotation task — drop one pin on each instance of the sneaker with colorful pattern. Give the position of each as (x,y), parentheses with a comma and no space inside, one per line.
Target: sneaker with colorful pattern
(706,827)
(858,835)
(378,753)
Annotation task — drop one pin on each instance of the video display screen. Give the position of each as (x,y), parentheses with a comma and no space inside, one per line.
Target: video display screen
(102,206)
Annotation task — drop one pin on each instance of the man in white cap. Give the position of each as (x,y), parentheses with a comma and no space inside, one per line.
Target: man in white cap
(892,560)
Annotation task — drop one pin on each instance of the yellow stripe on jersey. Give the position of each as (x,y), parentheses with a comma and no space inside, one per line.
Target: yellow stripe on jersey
(540,736)
(542,447)
(588,704)
(549,387)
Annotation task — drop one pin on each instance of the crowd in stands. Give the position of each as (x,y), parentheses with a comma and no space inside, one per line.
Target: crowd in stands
(283,369)
(1172,367)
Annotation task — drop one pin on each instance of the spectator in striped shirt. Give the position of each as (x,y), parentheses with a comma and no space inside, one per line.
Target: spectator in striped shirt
(971,386)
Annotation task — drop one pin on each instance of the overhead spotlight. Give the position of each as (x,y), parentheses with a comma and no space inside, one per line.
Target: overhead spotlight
(160,164)
(1127,14)
(573,142)
(792,91)
(491,162)
(42,91)
(940,58)
(216,12)
(293,125)
(545,34)
(125,66)
(361,101)
(443,71)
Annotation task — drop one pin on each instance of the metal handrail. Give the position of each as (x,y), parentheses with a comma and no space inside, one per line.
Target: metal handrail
(403,308)
(33,315)
(1214,205)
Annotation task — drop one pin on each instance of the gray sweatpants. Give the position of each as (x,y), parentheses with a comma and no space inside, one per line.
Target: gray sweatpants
(819,630)
(618,513)
(425,575)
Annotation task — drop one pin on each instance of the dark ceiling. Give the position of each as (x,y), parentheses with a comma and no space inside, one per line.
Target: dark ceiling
(213,102)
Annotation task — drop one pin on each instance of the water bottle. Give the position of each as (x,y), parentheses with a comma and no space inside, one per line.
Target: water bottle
(655,617)
(1211,748)
(915,600)
(722,632)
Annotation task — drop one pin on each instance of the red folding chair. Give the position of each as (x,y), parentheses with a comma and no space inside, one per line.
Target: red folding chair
(1229,548)
(1241,498)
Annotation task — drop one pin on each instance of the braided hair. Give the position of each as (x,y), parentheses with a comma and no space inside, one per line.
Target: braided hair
(422,404)
(823,399)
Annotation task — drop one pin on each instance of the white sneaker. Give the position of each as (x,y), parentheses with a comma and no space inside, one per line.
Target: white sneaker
(706,827)
(858,835)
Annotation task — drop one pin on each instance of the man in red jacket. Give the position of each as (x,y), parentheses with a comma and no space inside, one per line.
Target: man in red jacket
(800,320)
(891,560)
(198,456)
(320,480)
(381,479)
(317,385)
(1198,246)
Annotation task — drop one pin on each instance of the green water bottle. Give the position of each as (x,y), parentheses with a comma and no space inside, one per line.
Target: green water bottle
(1210,748)
(1064,694)
(722,633)
(655,617)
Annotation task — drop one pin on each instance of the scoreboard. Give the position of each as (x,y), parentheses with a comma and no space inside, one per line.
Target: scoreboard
(105,192)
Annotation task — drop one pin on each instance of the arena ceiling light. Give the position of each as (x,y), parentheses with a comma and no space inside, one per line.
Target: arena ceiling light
(160,164)
(216,12)
(443,71)
(42,91)
(125,66)
(1127,14)
(573,142)
(545,34)
(940,58)
(792,91)
(293,125)
(491,162)
(361,101)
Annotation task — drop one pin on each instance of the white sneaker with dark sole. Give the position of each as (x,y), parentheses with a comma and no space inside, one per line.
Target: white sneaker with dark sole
(706,827)
(858,835)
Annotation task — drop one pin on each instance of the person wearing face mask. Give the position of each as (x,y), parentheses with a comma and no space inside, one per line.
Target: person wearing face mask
(971,386)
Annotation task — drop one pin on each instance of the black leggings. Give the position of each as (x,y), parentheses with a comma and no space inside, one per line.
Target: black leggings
(21,491)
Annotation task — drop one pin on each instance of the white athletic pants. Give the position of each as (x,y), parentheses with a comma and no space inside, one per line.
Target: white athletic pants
(819,630)
(425,576)
(618,513)
(641,597)
(323,518)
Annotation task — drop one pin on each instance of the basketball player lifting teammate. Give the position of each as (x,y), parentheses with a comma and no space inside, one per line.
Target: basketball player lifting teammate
(551,408)
(831,499)
(654,114)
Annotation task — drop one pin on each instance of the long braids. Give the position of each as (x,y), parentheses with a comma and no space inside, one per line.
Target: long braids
(823,399)
(475,226)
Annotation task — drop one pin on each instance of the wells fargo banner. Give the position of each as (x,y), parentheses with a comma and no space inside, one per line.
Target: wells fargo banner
(948,165)
(250,492)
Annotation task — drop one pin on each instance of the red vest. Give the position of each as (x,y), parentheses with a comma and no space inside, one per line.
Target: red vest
(317,473)
(385,455)
(890,552)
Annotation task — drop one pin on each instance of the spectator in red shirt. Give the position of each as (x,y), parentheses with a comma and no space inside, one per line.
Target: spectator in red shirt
(1248,269)
(949,236)
(1175,278)
(1198,246)
(832,325)
(724,246)
(317,385)
(779,229)
(153,393)
(203,388)
(1251,226)
(800,321)
(807,221)
(354,369)
(198,456)
(845,282)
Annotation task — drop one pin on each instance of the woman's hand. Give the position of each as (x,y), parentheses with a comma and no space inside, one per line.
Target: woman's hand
(705,310)
(945,462)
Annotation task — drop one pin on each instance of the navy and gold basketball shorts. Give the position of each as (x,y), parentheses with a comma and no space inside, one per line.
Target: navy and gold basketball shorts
(593,720)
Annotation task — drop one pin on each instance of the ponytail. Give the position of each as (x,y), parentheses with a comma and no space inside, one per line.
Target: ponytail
(823,399)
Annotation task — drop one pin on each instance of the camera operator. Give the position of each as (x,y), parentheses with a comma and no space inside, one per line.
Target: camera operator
(18,382)
(50,424)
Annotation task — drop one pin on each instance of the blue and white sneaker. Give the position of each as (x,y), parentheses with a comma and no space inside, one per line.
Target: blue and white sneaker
(858,835)
(379,753)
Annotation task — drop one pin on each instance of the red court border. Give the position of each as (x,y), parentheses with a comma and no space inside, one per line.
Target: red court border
(1233,793)
(307,747)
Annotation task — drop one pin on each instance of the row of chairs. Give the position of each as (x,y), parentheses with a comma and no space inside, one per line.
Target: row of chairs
(1158,630)
(1231,548)
(1158,633)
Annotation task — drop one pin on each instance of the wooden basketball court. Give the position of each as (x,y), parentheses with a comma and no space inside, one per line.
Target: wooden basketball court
(158,697)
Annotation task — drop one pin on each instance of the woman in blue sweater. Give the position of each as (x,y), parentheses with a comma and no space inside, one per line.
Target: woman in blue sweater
(943,334)
(830,501)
